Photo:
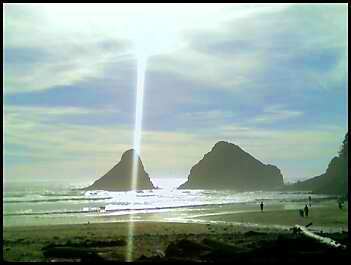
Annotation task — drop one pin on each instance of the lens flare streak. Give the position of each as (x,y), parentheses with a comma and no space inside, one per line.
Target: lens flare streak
(136,145)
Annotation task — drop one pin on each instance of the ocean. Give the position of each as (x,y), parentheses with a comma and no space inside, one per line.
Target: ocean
(45,203)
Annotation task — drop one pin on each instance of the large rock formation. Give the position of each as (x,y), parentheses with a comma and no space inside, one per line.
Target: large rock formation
(334,180)
(227,166)
(119,178)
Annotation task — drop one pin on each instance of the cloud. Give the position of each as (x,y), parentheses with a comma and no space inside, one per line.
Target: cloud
(32,141)
(293,47)
(276,113)
(270,78)
(57,115)
(209,70)
(241,47)
(30,69)
(36,112)
(78,46)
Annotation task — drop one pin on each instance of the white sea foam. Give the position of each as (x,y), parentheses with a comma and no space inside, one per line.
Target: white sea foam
(56,202)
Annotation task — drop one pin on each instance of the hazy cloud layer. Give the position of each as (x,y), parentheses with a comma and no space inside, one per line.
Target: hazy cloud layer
(270,78)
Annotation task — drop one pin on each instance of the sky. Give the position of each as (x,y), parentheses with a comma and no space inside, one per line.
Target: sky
(271,78)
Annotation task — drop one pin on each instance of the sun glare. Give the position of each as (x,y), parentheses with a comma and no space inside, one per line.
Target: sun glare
(141,69)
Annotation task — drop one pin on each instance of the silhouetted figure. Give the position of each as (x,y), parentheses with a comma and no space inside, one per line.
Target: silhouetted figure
(261,205)
(301,213)
(310,201)
(306,210)
(340,203)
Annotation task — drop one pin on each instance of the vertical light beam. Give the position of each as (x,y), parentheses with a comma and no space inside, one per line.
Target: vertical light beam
(141,68)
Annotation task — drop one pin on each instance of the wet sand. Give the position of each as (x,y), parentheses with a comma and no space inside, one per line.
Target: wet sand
(247,232)
(326,216)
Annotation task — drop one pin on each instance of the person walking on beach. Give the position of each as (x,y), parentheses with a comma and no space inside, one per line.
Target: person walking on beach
(340,203)
(310,201)
(301,213)
(261,205)
(306,210)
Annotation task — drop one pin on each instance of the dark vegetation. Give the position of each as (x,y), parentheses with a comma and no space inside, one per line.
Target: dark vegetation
(334,180)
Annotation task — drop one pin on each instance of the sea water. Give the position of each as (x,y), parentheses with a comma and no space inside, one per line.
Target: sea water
(47,203)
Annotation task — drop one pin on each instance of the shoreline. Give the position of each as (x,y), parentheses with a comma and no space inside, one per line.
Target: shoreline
(109,240)
(242,227)
(323,214)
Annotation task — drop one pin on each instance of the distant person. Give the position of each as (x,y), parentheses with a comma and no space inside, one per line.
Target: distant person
(309,201)
(261,205)
(301,213)
(306,210)
(340,203)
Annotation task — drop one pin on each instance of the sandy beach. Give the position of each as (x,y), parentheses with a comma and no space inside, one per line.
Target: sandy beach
(245,230)
(323,216)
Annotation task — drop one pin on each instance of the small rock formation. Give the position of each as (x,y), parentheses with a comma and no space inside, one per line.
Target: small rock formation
(119,178)
(227,166)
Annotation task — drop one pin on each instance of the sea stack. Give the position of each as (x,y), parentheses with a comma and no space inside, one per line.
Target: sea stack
(119,178)
(227,166)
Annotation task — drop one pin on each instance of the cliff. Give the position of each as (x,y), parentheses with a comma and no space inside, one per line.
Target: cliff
(334,180)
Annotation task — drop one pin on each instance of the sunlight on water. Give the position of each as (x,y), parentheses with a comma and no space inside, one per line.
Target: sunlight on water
(137,139)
